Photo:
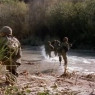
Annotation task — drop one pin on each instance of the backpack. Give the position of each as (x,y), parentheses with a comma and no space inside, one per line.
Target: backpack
(12,46)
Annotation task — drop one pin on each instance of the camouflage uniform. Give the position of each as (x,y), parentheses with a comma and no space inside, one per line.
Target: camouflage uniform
(55,44)
(11,59)
(60,49)
(48,48)
(64,47)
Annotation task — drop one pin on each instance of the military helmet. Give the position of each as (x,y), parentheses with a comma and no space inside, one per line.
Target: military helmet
(65,39)
(6,30)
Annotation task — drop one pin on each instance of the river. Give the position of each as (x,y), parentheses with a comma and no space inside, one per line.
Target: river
(82,61)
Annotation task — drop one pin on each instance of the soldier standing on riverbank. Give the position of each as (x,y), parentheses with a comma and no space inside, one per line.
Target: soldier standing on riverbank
(11,56)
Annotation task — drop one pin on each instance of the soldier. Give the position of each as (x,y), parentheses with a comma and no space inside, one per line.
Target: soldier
(55,44)
(11,50)
(64,47)
(48,48)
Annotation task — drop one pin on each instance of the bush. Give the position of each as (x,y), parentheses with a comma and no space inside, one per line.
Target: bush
(71,19)
(14,14)
(53,18)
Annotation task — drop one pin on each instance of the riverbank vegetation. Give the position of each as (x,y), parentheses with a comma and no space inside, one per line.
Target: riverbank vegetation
(41,20)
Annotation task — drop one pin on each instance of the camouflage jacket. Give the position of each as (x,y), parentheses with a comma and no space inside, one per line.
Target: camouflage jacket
(64,46)
(5,51)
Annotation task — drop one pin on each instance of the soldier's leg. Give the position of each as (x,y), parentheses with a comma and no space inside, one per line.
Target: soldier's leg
(60,58)
(55,53)
(11,75)
(7,77)
(49,54)
(14,72)
(12,69)
(65,61)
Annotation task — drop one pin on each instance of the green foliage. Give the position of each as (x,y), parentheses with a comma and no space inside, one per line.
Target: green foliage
(55,19)
(43,93)
(4,58)
(15,90)
(73,20)
(8,1)
(14,15)
(2,51)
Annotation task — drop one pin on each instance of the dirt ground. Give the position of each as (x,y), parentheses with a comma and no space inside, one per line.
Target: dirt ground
(43,76)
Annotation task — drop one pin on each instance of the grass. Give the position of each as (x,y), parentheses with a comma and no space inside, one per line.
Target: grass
(14,90)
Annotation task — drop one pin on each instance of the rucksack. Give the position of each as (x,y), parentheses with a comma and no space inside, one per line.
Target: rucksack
(12,46)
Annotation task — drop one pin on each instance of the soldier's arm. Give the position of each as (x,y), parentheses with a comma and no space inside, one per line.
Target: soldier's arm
(19,51)
(19,54)
(51,46)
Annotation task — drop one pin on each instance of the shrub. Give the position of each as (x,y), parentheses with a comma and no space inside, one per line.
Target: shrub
(14,14)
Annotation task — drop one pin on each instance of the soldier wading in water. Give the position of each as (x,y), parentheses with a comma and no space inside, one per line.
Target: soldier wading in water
(61,48)
(11,52)
(62,51)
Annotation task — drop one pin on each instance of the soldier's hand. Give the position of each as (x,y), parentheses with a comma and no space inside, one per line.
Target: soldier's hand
(51,46)
(70,45)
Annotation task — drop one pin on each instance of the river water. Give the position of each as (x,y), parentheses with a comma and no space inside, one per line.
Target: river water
(82,61)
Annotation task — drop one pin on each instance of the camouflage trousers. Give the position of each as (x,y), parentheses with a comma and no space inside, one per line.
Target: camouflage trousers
(12,66)
(11,74)
(64,56)
(12,69)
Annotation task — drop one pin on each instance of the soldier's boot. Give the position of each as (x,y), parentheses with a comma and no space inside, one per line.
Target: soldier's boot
(9,78)
(65,66)
(7,82)
(14,72)
(65,69)
(65,62)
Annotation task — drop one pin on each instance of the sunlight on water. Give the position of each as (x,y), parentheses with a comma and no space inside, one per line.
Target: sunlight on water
(53,57)
(76,62)
(43,52)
